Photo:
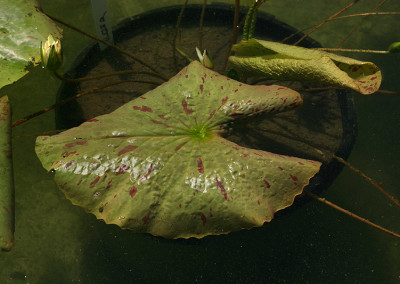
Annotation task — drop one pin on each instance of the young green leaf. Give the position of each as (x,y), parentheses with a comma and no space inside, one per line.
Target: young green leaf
(6,178)
(394,47)
(158,164)
(286,62)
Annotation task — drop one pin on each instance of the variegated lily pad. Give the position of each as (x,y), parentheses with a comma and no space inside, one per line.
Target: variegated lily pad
(159,165)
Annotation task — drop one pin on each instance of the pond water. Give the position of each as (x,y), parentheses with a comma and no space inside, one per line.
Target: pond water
(57,242)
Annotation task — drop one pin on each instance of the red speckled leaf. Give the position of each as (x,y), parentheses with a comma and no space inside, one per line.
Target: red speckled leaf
(6,178)
(286,62)
(158,164)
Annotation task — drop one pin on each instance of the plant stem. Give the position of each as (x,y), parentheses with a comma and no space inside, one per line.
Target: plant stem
(29,117)
(178,23)
(251,18)
(38,134)
(234,33)
(388,92)
(236,22)
(184,55)
(325,21)
(359,24)
(61,77)
(108,44)
(365,15)
(353,50)
(368,179)
(323,200)
(335,88)
(340,18)
(203,10)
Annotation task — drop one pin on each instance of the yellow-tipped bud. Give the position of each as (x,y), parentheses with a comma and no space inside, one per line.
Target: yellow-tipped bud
(51,54)
(204,58)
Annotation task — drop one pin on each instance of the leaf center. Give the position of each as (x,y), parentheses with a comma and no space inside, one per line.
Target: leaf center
(199,132)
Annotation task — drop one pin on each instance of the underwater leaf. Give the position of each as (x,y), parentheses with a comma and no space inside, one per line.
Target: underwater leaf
(159,165)
(6,178)
(286,62)
(394,47)
(22,28)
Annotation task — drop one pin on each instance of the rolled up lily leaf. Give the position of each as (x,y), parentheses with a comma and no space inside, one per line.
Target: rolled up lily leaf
(6,178)
(286,62)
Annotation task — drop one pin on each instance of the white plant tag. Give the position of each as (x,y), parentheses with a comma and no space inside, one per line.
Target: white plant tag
(101,17)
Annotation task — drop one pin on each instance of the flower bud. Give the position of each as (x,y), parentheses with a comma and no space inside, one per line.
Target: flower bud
(205,59)
(51,54)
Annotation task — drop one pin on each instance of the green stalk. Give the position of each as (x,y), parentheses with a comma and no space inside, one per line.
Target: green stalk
(178,23)
(203,11)
(6,178)
(67,100)
(251,18)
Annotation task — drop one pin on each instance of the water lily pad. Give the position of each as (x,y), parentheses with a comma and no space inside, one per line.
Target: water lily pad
(158,164)
(286,62)
(6,178)
(22,28)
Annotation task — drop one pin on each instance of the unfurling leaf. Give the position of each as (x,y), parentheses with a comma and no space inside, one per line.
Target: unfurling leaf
(394,47)
(159,165)
(6,178)
(286,62)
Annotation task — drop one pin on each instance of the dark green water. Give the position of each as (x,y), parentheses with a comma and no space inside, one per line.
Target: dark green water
(57,242)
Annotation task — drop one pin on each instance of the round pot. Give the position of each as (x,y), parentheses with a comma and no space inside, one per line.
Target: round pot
(325,124)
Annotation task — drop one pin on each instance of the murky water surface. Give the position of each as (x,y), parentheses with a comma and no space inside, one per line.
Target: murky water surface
(57,242)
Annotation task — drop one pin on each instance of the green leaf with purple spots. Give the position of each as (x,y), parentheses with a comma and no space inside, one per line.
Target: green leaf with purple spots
(159,165)
(286,62)
(6,178)
(22,28)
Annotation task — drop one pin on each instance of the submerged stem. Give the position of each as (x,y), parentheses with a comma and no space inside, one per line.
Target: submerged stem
(335,88)
(325,21)
(388,92)
(236,22)
(340,18)
(39,134)
(368,179)
(184,55)
(359,24)
(323,200)
(234,33)
(178,23)
(353,50)
(108,44)
(203,10)
(29,117)
(365,15)
(71,80)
